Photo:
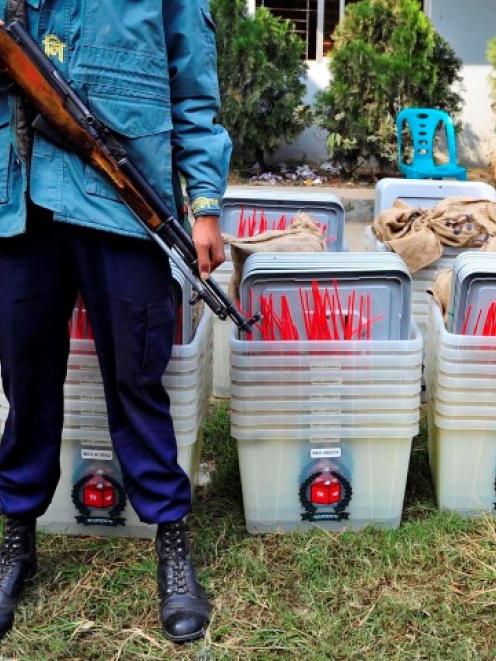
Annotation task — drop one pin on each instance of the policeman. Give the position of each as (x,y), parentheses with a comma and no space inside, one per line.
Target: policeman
(147,69)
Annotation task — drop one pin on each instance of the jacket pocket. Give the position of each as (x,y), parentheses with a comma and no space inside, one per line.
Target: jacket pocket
(5,150)
(145,126)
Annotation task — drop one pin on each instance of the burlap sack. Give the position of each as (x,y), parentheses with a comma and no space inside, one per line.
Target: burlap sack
(418,235)
(441,291)
(490,245)
(303,235)
(406,231)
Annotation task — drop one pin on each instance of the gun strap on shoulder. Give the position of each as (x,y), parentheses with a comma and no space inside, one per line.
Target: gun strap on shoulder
(23,116)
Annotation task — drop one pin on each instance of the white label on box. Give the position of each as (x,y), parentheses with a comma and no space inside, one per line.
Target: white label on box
(102,455)
(325,453)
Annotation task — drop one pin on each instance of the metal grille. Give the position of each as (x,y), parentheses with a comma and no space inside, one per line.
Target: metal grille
(331,20)
(303,13)
(332,16)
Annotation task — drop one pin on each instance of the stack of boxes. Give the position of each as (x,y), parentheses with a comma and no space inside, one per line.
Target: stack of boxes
(90,497)
(461,381)
(247,212)
(424,194)
(324,427)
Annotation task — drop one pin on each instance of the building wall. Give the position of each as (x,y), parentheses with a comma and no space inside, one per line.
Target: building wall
(309,146)
(467,25)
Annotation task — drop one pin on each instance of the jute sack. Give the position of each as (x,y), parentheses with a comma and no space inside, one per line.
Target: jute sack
(303,235)
(418,235)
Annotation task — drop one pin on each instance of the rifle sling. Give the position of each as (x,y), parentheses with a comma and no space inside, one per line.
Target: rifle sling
(23,115)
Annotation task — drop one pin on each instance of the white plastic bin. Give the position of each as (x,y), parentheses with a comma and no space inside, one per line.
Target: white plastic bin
(61,516)
(463,464)
(427,193)
(424,194)
(275,475)
(188,380)
(462,418)
(249,198)
(318,441)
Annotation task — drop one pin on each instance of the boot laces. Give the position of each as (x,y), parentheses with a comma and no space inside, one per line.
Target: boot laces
(12,547)
(174,548)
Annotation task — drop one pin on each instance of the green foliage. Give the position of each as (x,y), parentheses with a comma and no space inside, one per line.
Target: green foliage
(387,56)
(261,74)
(491,56)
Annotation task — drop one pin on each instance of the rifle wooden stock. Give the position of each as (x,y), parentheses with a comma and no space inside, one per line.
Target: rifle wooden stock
(69,119)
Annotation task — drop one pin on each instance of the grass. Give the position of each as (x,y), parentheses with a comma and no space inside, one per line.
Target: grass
(425,591)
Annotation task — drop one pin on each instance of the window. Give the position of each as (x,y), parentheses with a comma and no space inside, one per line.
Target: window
(304,15)
(333,12)
(314,20)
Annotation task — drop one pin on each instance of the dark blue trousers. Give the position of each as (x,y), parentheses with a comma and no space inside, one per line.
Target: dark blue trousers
(126,285)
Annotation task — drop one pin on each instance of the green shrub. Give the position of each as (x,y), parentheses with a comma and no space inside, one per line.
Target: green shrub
(261,74)
(387,56)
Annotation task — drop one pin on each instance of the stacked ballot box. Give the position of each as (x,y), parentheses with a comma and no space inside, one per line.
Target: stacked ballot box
(460,375)
(324,426)
(423,194)
(90,497)
(249,212)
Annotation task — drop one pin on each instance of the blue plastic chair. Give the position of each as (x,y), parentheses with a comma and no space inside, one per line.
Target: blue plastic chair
(423,123)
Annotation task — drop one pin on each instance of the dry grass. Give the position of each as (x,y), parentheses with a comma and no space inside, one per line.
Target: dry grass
(425,591)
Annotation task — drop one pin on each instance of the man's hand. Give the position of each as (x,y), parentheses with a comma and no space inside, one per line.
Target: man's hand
(209,244)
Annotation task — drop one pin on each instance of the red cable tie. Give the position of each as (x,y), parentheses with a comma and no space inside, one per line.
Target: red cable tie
(241,223)
(347,318)
(468,313)
(369,316)
(304,313)
(253,223)
(311,317)
(335,325)
(360,321)
(317,312)
(493,319)
(353,301)
(80,324)
(286,319)
(263,223)
(340,307)
(476,328)
(487,322)
(368,324)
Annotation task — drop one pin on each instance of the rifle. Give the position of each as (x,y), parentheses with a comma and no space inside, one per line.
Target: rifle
(65,119)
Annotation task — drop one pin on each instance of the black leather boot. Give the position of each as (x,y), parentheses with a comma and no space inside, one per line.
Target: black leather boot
(17,565)
(184,607)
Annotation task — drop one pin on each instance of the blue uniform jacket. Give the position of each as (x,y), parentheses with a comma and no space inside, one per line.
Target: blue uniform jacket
(148,69)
